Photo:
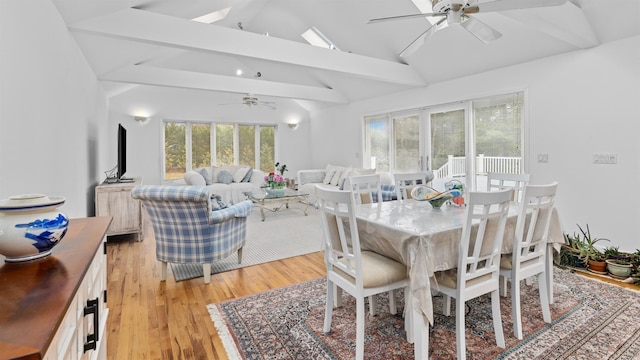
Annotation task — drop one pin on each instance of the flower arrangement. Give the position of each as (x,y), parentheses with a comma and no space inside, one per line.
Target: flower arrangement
(275,181)
(281,168)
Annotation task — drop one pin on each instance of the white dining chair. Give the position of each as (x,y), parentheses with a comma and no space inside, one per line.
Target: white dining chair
(404,182)
(360,273)
(529,257)
(501,181)
(363,188)
(478,267)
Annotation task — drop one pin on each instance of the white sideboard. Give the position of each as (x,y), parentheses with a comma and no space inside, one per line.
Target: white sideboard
(56,307)
(114,199)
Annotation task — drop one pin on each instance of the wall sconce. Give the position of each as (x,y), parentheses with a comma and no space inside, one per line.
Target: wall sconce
(293,126)
(141,119)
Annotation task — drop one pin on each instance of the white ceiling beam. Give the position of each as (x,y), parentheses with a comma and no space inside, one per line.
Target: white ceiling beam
(149,75)
(566,23)
(163,30)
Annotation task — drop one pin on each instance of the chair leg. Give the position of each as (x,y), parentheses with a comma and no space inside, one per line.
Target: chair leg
(392,303)
(497,318)
(328,311)
(446,307)
(544,297)
(163,271)
(360,316)
(206,271)
(461,345)
(240,255)
(373,304)
(337,296)
(516,314)
(503,286)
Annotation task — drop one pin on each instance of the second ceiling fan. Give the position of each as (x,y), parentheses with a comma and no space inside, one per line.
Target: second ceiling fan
(459,12)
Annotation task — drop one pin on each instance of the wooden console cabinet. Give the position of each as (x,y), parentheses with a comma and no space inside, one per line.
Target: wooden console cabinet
(56,307)
(114,199)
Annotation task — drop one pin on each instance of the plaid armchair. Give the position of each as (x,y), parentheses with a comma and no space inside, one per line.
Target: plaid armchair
(186,228)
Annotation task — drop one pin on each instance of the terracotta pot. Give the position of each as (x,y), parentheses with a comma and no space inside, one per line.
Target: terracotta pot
(597,266)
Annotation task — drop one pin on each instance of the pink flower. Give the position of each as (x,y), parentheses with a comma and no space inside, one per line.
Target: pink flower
(278,178)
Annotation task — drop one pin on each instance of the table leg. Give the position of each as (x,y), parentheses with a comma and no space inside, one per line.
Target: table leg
(262,210)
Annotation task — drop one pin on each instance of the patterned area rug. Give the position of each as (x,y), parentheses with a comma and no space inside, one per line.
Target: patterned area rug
(590,320)
(284,234)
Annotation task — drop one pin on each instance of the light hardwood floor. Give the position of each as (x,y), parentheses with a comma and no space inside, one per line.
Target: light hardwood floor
(150,319)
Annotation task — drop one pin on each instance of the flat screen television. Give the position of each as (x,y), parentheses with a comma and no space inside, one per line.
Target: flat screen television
(122,154)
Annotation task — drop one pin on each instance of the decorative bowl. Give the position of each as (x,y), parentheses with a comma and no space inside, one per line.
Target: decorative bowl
(434,197)
(30,226)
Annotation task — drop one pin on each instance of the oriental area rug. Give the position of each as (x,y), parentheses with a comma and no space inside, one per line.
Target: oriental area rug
(590,320)
(284,234)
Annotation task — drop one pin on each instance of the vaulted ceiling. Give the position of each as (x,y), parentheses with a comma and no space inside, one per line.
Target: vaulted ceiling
(154,43)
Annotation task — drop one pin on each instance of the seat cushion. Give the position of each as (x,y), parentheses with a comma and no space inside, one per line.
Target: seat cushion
(449,278)
(378,270)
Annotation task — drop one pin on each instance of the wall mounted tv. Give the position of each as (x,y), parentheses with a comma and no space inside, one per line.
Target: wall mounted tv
(122,155)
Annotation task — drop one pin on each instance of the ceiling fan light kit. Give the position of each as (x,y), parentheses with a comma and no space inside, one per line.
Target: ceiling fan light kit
(459,12)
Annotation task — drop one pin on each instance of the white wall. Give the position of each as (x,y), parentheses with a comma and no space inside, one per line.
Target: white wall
(52,111)
(579,103)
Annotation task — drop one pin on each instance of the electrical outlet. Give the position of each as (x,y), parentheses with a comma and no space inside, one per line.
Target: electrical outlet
(605,158)
(543,158)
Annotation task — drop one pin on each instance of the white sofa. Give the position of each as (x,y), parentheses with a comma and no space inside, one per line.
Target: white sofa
(332,177)
(230,182)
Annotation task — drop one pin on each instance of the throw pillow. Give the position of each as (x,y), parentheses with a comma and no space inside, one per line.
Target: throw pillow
(343,178)
(329,172)
(217,203)
(194,178)
(206,176)
(225,177)
(240,174)
(247,177)
(336,176)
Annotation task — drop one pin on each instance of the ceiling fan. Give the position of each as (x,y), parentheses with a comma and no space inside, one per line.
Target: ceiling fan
(251,101)
(459,12)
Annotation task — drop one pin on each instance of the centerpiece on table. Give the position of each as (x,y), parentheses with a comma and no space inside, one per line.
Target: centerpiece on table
(275,183)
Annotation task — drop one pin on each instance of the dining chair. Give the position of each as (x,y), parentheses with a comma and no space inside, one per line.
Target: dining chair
(478,267)
(404,182)
(360,273)
(501,181)
(529,250)
(366,188)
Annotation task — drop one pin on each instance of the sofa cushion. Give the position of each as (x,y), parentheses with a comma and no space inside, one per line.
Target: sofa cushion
(343,177)
(240,174)
(217,203)
(194,178)
(335,179)
(224,177)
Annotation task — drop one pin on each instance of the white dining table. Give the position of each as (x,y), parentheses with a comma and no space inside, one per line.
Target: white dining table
(427,240)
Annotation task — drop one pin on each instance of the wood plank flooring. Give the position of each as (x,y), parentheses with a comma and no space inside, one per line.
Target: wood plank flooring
(150,319)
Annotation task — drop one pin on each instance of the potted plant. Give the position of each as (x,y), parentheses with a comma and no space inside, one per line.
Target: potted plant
(570,250)
(619,268)
(589,253)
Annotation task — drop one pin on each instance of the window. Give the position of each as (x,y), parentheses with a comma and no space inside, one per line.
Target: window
(189,145)
(456,140)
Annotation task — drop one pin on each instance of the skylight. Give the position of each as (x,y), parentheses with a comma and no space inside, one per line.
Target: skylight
(315,37)
(213,17)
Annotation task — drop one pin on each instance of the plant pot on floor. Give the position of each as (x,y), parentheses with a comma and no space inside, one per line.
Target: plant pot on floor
(597,266)
(617,268)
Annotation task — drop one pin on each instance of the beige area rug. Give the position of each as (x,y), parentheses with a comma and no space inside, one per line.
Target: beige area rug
(284,234)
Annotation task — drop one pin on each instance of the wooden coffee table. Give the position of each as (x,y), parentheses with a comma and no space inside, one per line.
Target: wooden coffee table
(275,202)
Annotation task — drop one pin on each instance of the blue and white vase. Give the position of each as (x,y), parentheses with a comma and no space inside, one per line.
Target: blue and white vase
(30,226)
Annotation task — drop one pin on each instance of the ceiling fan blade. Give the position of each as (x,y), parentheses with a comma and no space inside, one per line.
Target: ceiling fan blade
(403,17)
(502,5)
(419,41)
(482,31)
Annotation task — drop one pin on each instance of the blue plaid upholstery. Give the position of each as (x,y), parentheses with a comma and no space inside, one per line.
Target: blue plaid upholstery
(388,193)
(185,228)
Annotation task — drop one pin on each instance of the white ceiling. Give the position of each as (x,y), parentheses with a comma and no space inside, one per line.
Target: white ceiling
(152,43)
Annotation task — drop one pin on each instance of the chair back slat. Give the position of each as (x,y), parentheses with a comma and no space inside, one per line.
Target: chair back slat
(366,188)
(341,240)
(501,181)
(404,182)
(482,234)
